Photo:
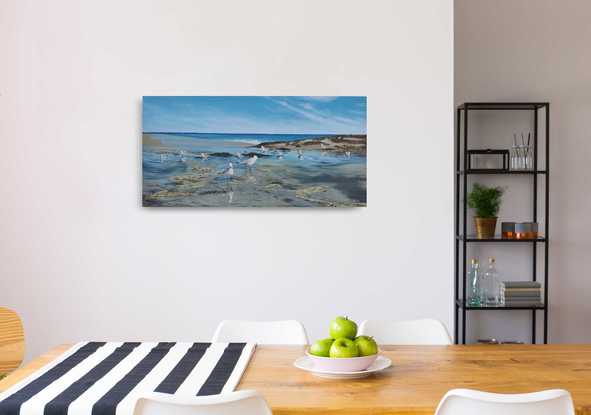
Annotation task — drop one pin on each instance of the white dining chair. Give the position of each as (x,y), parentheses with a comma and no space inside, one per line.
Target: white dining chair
(470,402)
(290,332)
(413,332)
(246,402)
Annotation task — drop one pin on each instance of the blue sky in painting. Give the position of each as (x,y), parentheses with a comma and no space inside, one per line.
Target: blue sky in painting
(255,114)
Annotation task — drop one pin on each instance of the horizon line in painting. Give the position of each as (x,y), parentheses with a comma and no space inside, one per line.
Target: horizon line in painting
(254,151)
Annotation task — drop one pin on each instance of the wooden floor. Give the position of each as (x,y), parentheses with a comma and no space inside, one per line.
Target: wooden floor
(420,376)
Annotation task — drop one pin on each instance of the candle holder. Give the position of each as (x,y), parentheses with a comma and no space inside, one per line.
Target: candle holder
(508,230)
(526,230)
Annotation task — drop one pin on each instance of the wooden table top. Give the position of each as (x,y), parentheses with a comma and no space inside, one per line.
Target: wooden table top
(416,382)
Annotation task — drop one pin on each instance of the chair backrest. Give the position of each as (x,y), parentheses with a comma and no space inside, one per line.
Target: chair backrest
(470,402)
(12,340)
(232,403)
(261,332)
(414,332)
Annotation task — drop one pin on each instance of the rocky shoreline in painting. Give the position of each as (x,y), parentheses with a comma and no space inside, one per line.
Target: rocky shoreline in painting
(338,143)
(192,169)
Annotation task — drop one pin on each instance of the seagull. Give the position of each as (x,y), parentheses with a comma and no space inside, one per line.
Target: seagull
(279,155)
(204,156)
(300,155)
(251,161)
(229,171)
(348,154)
(263,149)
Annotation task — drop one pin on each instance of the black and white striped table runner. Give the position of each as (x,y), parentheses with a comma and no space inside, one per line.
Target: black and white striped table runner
(100,378)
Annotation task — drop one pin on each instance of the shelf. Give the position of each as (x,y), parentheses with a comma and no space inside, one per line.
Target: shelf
(539,306)
(498,239)
(500,171)
(539,113)
(494,106)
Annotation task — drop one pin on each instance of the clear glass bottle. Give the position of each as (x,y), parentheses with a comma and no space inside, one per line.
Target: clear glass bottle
(529,160)
(475,294)
(522,150)
(492,285)
(513,158)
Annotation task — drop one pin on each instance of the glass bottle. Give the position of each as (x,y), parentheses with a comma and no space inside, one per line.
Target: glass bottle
(529,160)
(513,158)
(475,299)
(492,284)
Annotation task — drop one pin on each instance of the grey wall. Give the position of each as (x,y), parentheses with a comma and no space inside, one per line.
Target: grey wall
(81,259)
(535,50)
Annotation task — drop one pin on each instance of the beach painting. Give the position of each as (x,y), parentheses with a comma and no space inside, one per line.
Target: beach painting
(254,151)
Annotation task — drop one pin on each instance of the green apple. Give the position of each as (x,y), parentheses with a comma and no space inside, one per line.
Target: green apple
(343,327)
(366,345)
(321,347)
(343,347)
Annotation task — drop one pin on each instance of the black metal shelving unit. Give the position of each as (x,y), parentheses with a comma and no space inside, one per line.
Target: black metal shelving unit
(461,211)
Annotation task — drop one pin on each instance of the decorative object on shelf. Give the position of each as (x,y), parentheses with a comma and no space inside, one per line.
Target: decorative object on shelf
(486,202)
(487,341)
(254,151)
(526,230)
(491,286)
(521,293)
(519,230)
(476,294)
(488,159)
(508,230)
(495,341)
(521,155)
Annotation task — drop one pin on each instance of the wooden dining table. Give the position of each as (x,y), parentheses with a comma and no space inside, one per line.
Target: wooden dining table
(414,384)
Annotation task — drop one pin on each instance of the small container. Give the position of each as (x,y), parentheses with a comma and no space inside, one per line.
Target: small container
(526,230)
(488,341)
(508,230)
(488,159)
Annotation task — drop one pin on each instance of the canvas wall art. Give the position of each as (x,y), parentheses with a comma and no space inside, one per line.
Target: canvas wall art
(254,151)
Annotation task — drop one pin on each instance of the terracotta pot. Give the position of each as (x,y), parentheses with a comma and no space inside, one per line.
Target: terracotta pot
(485,227)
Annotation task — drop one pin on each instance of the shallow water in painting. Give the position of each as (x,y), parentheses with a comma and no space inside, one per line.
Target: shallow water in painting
(187,169)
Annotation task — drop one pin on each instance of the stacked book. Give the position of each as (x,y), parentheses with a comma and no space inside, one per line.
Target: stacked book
(521,293)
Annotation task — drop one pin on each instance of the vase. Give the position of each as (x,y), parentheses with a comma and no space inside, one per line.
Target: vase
(485,227)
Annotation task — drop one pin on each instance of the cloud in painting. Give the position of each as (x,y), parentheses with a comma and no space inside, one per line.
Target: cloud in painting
(272,115)
(319,99)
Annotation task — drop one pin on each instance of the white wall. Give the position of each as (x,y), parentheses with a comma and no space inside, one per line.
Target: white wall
(536,50)
(81,259)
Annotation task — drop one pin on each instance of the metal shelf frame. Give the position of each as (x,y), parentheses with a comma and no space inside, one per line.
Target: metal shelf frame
(461,212)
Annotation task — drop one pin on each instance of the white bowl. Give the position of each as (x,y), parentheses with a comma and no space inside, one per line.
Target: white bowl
(341,364)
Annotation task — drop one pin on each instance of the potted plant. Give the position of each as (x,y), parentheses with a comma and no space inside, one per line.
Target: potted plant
(486,202)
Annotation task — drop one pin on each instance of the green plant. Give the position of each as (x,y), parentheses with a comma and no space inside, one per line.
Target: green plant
(486,201)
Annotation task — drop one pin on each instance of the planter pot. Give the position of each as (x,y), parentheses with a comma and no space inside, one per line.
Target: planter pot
(485,227)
